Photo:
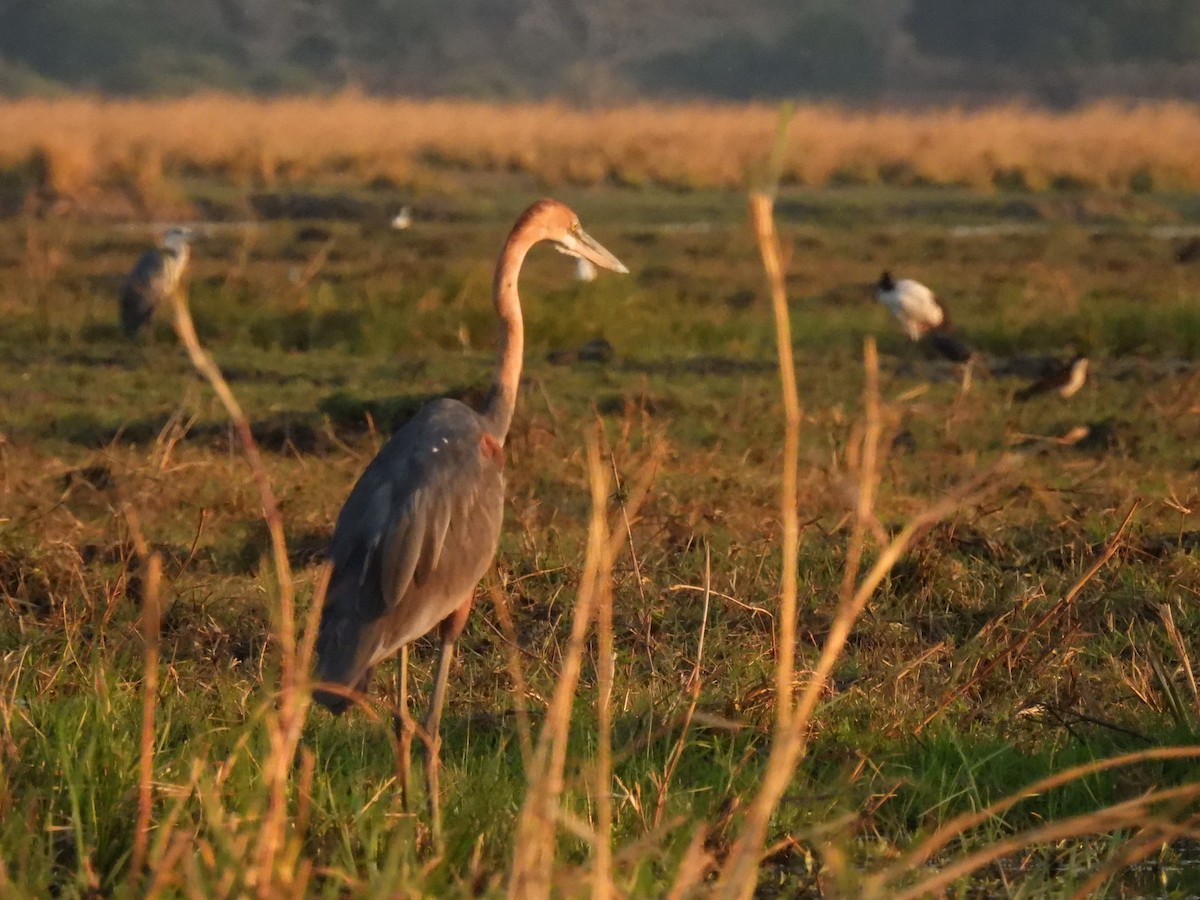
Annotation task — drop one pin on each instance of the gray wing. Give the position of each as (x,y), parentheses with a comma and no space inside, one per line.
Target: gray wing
(416,534)
(143,288)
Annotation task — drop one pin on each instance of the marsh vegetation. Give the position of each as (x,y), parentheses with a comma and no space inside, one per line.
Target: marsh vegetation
(1045,621)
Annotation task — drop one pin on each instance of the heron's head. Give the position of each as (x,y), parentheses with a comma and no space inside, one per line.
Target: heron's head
(549,220)
(177,237)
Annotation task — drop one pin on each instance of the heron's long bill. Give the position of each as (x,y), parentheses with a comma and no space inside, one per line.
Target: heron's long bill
(590,249)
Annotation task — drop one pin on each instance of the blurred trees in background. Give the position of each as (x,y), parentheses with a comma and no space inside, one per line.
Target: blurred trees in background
(917,51)
(1045,34)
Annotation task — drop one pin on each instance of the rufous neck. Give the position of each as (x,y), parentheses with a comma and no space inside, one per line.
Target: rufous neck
(503,399)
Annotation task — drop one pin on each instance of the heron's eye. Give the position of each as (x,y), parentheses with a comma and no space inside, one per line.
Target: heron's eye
(575,227)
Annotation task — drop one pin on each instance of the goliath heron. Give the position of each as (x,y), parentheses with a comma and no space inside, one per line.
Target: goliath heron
(921,316)
(420,527)
(153,279)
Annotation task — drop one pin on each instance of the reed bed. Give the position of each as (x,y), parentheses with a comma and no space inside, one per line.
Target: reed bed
(81,142)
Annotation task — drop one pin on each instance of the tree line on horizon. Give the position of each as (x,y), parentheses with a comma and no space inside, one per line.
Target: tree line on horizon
(1055,52)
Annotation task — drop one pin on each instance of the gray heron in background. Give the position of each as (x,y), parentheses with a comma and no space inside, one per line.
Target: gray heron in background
(154,278)
(1064,377)
(921,316)
(421,525)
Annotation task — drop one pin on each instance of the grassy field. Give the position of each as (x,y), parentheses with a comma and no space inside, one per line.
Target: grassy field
(985,661)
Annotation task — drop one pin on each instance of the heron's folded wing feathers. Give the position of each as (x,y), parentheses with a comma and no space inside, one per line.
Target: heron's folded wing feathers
(400,552)
(437,524)
(395,527)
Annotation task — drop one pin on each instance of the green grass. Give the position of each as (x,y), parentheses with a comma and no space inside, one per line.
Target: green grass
(325,369)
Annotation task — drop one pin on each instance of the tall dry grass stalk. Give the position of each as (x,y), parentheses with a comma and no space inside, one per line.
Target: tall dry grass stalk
(516,672)
(276,868)
(84,141)
(151,562)
(532,869)
(602,870)
(772,256)
(739,875)
(537,826)
(185,328)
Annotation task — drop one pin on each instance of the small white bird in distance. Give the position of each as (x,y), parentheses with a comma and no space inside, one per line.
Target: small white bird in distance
(402,219)
(584,269)
(920,315)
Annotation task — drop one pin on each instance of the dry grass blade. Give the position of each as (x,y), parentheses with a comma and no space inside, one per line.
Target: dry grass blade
(185,328)
(1151,836)
(1168,619)
(150,633)
(533,851)
(1109,551)
(634,499)
(602,870)
(273,870)
(151,620)
(738,876)
(516,672)
(768,241)
(868,470)
(695,865)
(695,683)
(308,635)
(533,848)
(1130,814)
(920,855)
(637,566)
(1172,699)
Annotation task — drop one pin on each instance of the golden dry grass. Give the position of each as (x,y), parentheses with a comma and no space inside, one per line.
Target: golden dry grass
(85,141)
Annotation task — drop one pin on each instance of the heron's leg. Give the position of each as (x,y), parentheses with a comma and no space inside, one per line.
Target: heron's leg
(452,627)
(405,727)
(434,742)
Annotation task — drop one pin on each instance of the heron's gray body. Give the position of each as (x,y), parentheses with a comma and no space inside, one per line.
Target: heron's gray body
(153,279)
(422,523)
(415,536)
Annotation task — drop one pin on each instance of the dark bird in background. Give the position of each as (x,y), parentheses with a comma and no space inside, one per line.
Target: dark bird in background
(1188,252)
(921,316)
(421,526)
(1065,377)
(154,279)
